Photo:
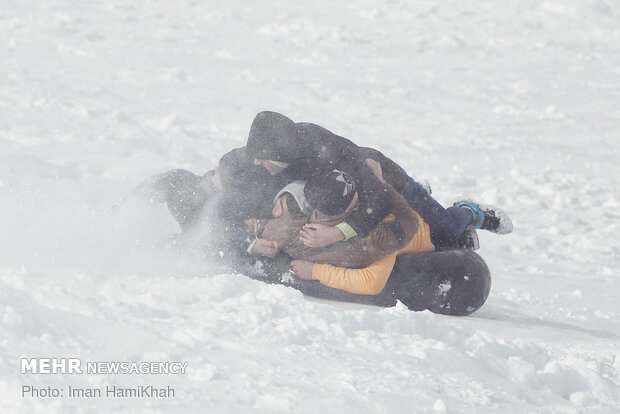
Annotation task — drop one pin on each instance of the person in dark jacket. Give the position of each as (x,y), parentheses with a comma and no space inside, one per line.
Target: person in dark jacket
(412,279)
(303,150)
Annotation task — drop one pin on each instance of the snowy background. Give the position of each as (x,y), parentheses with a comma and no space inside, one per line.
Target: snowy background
(515,103)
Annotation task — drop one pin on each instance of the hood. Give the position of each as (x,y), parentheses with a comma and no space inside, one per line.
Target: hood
(272,137)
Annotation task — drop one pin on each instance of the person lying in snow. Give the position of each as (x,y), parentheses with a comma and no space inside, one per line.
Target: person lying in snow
(252,197)
(330,198)
(359,265)
(335,194)
(303,150)
(249,186)
(418,283)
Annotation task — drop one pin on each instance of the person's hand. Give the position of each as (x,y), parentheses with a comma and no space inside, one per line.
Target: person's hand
(376,168)
(266,248)
(303,268)
(320,235)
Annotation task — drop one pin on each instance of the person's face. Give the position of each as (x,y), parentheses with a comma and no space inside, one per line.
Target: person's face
(272,169)
(279,207)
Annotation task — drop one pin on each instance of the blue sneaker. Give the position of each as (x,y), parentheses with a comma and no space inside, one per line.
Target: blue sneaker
(487,218)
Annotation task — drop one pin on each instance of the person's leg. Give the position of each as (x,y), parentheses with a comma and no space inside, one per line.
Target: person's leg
(447,224)
(182,192)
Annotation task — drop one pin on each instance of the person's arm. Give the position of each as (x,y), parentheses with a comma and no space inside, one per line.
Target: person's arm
(369,280)
(391,172)
(247,190)
(389,236)
(375,202)
(320,151)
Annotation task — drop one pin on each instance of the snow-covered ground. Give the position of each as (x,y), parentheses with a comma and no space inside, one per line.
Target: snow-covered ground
(514,103)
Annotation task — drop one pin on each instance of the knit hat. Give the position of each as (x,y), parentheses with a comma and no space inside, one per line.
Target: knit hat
(330,193)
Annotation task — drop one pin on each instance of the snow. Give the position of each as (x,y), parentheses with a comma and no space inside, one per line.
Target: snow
(512,104)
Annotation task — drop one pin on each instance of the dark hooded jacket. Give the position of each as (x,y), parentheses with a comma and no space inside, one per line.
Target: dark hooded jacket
(249,189)
(311,150)
(248,192)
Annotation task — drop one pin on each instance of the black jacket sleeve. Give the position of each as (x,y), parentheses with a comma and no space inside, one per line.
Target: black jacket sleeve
(374,202)
(393,173)
(319,150)
(248,190)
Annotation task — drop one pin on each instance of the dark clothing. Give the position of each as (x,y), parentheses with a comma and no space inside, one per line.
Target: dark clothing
(450,282)
(447,224)
(196,206)
(312,150)
(419,280)
(309,148)
(183,193)
(249,190)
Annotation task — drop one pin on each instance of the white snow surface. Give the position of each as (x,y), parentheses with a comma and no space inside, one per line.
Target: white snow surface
(513,104)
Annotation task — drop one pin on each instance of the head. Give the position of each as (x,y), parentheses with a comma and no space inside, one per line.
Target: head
(333,193)
(272,137)
(291,200)
(285,205)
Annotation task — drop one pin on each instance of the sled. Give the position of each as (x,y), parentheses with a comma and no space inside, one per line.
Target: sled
(449,282)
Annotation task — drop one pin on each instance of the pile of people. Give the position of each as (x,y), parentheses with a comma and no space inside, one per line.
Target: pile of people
(298,197)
